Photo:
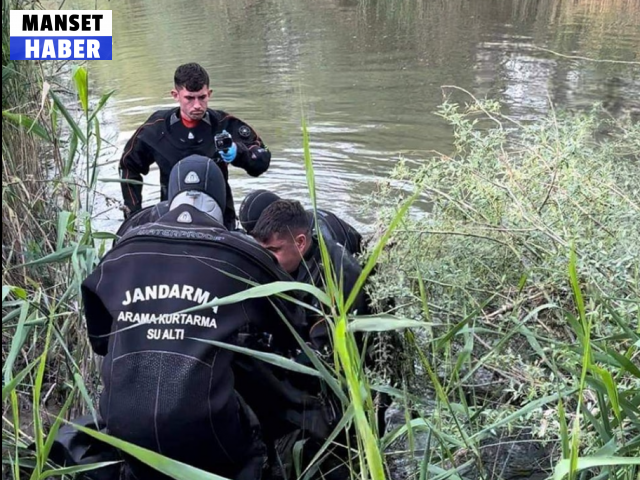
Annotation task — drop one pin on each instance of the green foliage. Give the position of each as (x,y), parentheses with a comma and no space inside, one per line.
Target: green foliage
(563,469)
(508,211)
(348,359)
(29,124)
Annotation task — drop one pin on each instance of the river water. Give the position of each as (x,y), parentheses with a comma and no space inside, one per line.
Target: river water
(368,75)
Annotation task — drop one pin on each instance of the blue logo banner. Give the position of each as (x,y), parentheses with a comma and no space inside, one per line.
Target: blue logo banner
(61,48)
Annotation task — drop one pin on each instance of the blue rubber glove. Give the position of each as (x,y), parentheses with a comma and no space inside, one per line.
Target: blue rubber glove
(230,155)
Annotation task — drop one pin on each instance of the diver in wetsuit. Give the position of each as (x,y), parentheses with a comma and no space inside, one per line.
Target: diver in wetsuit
(330,226)
(165,388)
(192,128)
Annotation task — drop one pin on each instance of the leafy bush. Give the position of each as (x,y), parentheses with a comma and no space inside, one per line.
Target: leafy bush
(511,343)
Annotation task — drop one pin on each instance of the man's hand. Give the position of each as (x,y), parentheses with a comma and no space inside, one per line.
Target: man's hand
(229,155)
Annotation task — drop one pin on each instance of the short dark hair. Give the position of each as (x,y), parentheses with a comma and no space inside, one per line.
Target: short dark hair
(191,76)
(281,217)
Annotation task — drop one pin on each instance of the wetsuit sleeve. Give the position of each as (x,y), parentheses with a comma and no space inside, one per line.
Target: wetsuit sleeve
(353,238)
(253,155)
(340,231)
(134,163)
(99,320)
(276,307)
(141,217)
(133,220)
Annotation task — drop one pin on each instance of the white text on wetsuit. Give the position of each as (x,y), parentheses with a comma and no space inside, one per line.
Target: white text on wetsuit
(159,292)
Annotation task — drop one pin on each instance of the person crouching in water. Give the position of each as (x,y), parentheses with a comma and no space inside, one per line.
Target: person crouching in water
(164,388)
(284,229)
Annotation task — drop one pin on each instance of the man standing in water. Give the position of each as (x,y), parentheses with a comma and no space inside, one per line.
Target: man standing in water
(191,128)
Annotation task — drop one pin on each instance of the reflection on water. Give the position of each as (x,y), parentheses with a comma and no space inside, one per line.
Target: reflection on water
(368,74)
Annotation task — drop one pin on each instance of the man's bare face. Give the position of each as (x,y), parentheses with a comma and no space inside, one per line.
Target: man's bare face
(288,249)
(193,105)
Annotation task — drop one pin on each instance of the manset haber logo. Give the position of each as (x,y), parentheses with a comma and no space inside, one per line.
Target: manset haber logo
(60,35)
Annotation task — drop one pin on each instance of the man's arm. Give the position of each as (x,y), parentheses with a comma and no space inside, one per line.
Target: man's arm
(253,155)
(99,320)
(341,231)
(275,308)
(353,238)
(134,163)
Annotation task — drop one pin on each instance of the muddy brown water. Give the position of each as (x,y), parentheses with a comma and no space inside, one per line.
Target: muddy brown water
(368,75)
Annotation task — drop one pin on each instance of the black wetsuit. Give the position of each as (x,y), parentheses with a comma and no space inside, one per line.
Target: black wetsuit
(164,390)
(146,215)
(333,227)
(320,418)
(164,140)
(345,268)
(330,225)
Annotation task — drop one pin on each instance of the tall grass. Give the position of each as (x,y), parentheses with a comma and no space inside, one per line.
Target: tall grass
(23,176)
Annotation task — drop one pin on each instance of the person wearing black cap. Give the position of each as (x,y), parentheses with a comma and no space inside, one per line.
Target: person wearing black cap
(329,225)
(192,128)
(165,388)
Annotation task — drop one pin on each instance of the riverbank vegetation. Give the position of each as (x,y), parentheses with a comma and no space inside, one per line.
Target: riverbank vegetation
(526,272)
(517,295)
